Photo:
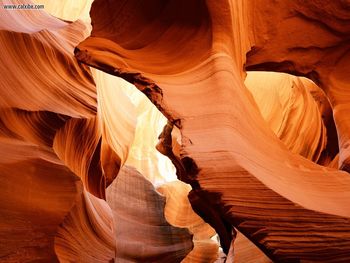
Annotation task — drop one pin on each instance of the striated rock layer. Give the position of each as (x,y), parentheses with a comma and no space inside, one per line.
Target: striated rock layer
(319,51)
(152,239)
(190,66)
(263,157)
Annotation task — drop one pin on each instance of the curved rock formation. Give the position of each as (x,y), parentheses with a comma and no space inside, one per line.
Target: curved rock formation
(49,77)
(242,250)
(235,183)
(39,94)
(137,137)
(151,239)
(258,153)
(178,212)
(37,193)
(87,233)
(287,106)
(319,51)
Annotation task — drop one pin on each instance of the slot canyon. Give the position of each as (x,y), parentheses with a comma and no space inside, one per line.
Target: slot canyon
(194,131)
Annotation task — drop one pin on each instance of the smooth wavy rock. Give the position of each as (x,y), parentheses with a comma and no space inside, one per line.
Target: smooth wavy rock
(330,153)
(320,51)
(37,192)
(203,251)
(178,212)
(143,155)
(288,103)
(48,78)
(87,233)
(82,153)
(190,65)
(97,156)
(142,231)
(244,251)
(290,110)
(28,126)
(42,87)
(133,124)
(117,119)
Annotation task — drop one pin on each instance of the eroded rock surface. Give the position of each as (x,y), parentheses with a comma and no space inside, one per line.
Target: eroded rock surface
(234,162)
(263,156)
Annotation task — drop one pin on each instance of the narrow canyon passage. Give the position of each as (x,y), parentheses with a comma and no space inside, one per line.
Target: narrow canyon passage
(174,131)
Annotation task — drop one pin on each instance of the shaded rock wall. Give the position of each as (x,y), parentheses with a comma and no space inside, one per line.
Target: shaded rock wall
(263,157)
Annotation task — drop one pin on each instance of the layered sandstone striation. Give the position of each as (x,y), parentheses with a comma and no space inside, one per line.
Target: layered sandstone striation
(143,131)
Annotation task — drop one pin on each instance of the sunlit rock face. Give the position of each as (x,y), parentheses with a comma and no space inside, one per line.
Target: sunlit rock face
(163,131)
(319,51)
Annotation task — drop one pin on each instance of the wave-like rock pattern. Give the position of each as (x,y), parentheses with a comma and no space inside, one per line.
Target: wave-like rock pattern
(248,155)
(319,51)
(49,77)
(37,193)
(82,154)
(271,198)
(87,233)
(119,100)
(287,106)
(44,89)
(142,231)
(244,251)
(178,212)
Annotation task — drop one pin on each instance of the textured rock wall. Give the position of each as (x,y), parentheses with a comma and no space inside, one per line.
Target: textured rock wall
(214,162)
